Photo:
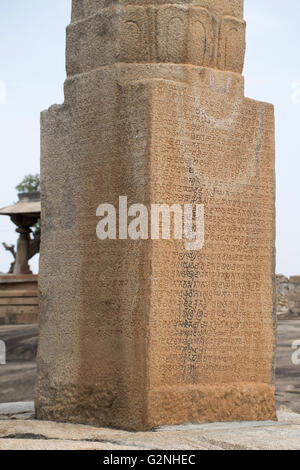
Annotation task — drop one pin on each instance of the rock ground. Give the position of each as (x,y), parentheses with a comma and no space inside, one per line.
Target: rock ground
(287,374)
(17,377)
(42,435)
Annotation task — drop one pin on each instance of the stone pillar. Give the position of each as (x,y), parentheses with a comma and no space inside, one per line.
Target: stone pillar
(22,255)
(138,334)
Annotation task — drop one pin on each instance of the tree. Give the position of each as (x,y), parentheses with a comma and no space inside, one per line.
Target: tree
(29,184)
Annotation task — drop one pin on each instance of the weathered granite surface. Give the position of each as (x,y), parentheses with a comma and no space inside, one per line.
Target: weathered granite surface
(19,302)
(38,435)
(282,294)
(137,334)
(18,375)
(294,295)
(17,410)
(288,296)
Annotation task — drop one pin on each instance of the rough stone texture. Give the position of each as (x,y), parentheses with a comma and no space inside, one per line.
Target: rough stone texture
(287,372)
(41,444)
(133,334)
(18,375)
(19,302)
(156,33)
(288,296)
(85,8)
(282,293)
(35,435)
(294,295)
(17,410)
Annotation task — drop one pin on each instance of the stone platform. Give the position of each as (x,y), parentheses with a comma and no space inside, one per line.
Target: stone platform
(19,301)
(23,434)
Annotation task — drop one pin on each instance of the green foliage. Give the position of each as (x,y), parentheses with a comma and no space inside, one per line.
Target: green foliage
(29,183)
(37,227)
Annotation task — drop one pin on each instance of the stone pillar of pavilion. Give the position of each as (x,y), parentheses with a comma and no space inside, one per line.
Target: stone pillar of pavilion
(22,254)
(19,289)
(24,214)
(142,333)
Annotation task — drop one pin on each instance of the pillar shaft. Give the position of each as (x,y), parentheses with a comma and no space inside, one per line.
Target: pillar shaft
(21,264)
(138,334)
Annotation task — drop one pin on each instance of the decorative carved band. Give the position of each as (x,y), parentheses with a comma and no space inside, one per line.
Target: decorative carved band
(168,34)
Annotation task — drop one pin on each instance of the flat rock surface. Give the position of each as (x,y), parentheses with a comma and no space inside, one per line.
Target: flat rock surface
(39,435)
(17,377)
(17,410)
(287,373)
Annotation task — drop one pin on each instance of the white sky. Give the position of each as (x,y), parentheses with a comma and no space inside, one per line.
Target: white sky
(32,71)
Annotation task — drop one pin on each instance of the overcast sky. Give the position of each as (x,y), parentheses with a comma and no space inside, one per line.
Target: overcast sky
(32,72)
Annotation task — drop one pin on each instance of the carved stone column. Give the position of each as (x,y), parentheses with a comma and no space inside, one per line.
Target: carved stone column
(138,334)
(22,256)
